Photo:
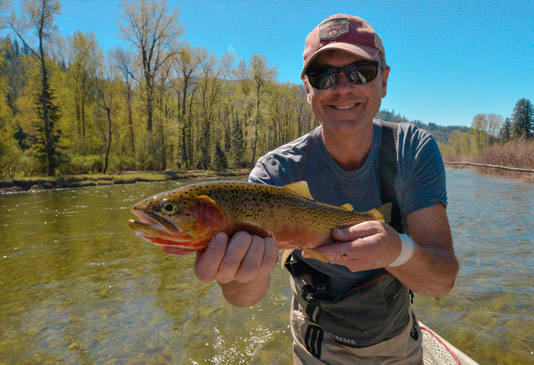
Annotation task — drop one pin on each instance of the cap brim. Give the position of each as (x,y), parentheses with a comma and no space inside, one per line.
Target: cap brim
(368,53)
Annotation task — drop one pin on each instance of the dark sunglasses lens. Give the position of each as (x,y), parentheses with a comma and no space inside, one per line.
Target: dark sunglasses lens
(361,74)
(323,78)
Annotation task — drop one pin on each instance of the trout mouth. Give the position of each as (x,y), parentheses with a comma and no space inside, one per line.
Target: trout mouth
(156,229)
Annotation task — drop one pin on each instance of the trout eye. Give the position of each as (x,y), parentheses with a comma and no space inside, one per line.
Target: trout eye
(168,206)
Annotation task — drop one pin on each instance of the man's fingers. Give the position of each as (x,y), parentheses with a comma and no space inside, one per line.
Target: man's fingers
(207,263)
(252,261)
(341,251)
(236,251)
(270,256)
(354,232)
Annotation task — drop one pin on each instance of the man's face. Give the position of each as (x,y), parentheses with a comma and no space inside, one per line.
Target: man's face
(345,106)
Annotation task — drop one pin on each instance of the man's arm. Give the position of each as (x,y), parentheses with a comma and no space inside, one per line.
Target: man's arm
(433,267)
(371,245)
(241,266)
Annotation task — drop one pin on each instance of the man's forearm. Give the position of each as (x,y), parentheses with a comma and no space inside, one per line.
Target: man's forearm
(431,271)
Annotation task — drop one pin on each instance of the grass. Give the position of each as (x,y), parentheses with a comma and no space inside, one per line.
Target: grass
(48,182)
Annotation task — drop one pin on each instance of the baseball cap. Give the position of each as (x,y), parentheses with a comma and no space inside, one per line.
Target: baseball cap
(342,32)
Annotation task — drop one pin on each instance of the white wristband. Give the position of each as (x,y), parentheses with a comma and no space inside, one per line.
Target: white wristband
(407,250)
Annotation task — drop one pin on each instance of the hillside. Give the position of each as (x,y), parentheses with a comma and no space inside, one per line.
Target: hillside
(440,133)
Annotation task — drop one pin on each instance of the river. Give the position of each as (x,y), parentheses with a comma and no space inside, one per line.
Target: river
(77,286)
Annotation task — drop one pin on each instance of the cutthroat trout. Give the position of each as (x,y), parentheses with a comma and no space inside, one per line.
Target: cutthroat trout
(190,216)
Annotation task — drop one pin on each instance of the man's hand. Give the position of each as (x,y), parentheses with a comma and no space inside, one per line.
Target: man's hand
(372,245)
(365,246)
(241,266)
(243,258)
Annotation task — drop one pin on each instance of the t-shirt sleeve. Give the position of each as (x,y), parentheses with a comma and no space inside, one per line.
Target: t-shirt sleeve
(259,175)
(423,172)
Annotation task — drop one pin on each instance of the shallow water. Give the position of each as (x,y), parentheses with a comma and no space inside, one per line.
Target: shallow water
(77,286)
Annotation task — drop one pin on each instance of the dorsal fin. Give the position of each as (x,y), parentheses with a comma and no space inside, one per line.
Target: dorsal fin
(301,188)
(347,207)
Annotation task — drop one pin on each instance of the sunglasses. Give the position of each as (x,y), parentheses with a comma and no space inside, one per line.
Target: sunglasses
(357,73)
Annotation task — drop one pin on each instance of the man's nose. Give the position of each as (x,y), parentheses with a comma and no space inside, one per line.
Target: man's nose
(343,83)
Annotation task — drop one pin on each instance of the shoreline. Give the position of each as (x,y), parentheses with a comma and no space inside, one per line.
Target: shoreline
(128,177)
(524,175)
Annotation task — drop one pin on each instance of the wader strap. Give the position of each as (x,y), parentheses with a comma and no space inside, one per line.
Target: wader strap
(388,171)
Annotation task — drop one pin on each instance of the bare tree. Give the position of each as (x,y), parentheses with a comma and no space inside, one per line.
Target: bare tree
(261,76)
(186,61)
(85,58)
(212,76)
(153,29)
(124,62)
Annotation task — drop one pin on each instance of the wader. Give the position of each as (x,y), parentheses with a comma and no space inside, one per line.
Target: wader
(373,322)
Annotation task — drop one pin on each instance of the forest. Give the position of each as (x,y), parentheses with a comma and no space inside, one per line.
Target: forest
(68,107)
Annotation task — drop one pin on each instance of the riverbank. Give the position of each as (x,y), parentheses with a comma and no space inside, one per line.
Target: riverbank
(77,181)
(525,175)
(514,159)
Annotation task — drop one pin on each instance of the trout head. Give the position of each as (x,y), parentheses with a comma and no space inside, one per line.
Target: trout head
(178,219)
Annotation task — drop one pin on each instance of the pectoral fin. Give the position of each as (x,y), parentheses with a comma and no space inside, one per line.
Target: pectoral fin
(285,256)
(316,254)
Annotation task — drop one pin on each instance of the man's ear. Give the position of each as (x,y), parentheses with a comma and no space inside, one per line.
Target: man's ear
(385,75)
(308,96)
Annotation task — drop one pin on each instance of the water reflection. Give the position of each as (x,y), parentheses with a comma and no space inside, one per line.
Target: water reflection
(79,287)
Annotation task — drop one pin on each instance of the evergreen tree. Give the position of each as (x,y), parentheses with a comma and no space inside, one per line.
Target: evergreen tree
(523,119)
(46,139)
(237,144)
(505,134)
(219,160)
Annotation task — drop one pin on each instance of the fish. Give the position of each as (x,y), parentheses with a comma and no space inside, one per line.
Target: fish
(188,217)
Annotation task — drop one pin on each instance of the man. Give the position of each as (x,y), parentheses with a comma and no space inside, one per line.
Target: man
(355,308)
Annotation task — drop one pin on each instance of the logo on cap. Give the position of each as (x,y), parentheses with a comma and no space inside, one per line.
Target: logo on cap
(333,28)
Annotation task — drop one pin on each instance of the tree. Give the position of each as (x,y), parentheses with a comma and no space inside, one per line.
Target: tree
(219,160)
(261,76)
(84,60)
(213,73)
(106,95)
(479,129)
(523,119)
(153,28)
(124,61)
(493,126)
(38,15)
(186,61)
(505,134)
(237,144)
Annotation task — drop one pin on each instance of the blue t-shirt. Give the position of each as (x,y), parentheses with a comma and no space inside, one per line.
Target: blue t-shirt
(420,180)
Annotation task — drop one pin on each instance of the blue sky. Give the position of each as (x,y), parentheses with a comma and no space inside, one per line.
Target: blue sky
(450,60)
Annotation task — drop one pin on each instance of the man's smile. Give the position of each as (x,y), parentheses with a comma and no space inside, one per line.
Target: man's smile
(345,106)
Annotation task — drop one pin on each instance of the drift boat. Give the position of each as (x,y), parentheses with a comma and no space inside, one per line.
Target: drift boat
(437,351)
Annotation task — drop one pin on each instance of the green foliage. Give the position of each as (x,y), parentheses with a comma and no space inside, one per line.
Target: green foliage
(80,165)
(506,131)
(523,119)
(237,144)
(10,155)
(220,161)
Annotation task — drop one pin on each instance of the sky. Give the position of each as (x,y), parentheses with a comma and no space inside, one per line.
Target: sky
(450,60)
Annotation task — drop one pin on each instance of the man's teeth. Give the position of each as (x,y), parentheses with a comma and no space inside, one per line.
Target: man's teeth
(343,107)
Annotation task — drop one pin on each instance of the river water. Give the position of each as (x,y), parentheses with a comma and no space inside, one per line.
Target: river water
(77,286)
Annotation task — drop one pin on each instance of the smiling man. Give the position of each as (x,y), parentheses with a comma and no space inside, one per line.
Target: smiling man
(355,308)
